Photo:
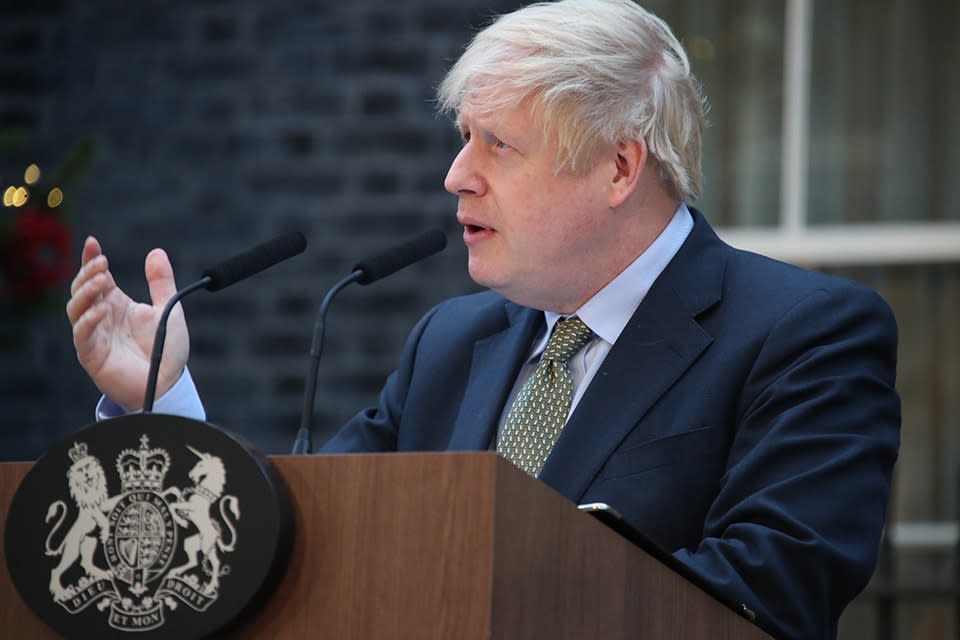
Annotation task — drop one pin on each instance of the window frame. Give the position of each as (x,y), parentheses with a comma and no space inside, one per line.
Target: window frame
(793,239)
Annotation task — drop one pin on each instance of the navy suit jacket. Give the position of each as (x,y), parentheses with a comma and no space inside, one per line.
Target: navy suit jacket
(745,420)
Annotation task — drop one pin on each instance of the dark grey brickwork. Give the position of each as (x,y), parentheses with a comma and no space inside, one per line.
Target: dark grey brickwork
(219,125)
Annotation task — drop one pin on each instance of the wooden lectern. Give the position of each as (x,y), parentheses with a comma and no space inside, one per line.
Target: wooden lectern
(447,545)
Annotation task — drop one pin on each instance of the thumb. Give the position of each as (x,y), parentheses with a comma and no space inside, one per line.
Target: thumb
(159,277)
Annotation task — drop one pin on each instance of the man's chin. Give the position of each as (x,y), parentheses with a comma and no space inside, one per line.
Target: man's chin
(508,287)
(504,288)
(481,272)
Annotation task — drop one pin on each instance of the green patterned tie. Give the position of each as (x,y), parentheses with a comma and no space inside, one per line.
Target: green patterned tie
(541,407)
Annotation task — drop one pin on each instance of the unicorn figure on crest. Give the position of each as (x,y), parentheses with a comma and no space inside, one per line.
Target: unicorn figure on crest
(194,506)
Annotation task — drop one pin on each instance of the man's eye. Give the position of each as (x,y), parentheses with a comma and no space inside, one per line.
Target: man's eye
(500,144)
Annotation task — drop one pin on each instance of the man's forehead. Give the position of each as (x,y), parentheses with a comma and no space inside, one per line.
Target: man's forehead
(473,114)
(492,111)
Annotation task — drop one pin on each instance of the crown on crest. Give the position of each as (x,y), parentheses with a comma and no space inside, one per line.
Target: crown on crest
(143,469)
(78,451)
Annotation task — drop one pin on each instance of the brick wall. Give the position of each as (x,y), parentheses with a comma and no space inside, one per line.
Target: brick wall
(219,125)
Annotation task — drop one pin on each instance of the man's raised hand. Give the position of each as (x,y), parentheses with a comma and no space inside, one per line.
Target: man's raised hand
(113,335)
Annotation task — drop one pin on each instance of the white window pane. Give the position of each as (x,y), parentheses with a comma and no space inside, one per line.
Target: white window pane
(884,136)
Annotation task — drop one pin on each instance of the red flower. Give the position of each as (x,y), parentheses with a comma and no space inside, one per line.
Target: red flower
(36,254)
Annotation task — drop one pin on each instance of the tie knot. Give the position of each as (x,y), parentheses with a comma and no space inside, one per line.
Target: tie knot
(568,337)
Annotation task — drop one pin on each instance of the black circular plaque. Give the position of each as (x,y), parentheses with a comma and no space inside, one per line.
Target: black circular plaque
(148,526)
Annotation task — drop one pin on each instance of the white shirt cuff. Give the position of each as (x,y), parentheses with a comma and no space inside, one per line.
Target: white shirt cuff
(181,399)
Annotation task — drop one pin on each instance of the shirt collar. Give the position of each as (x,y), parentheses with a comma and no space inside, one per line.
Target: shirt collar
(611,308)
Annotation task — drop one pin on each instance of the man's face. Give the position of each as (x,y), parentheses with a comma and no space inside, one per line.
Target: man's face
(535,236)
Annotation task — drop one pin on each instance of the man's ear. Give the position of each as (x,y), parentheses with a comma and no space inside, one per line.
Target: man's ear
(630,162)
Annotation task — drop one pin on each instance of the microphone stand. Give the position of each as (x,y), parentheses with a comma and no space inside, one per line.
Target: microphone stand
(161,337)
(303,444)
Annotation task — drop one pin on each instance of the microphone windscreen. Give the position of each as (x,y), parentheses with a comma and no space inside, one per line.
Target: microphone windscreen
(255,260)
(419,247)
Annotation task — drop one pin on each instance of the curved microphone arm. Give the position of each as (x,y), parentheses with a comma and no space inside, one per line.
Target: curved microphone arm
(161,337)
(240,267)
(303,444)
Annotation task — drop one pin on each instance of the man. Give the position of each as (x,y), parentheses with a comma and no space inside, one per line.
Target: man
(739,411)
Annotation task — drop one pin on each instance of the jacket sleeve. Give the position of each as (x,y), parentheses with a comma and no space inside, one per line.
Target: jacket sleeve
(794,531)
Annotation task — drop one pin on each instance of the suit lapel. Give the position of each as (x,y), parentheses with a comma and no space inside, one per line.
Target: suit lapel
(662,340)
(493,372)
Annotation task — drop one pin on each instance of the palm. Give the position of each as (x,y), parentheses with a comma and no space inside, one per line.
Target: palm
(119,358)
(114,335)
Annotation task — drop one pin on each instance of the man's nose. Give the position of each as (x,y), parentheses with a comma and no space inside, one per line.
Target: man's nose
(463,177)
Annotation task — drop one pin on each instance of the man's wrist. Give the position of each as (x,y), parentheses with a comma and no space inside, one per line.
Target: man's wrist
(181,399)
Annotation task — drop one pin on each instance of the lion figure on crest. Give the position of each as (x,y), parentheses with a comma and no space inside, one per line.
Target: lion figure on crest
(88,488)
(194,506)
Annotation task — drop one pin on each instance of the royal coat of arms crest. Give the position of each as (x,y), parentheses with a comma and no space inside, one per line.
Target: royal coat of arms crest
(133,526)
(140,531)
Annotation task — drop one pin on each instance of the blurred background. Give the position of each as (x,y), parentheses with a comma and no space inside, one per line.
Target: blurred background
(207,126)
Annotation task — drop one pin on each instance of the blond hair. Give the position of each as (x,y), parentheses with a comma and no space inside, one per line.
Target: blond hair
(597,72)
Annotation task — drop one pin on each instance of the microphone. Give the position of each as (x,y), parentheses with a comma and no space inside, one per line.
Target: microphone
(364,272)
(253,261)
(228,272)
(395,258)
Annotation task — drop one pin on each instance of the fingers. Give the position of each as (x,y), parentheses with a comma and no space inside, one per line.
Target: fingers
(92,262)
(159,274)
(91,249)
(85,296)
(91,283)
(84,326)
